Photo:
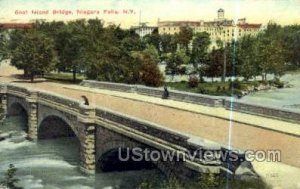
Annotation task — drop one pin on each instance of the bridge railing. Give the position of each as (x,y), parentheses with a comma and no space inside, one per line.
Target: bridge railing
(142,126)
(266,111)
(18,90)
(59,99)
(156,92)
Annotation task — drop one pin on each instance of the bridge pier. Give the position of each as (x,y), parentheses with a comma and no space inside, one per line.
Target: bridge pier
(87,150)
(87,139)
(32,115)
(3,102)
(3,106)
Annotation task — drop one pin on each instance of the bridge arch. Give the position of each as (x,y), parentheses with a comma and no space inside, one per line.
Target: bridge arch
(18,109)
(113,145)
(54,126)
(49,115)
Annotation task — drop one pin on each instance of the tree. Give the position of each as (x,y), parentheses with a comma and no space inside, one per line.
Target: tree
(154,39)
(3,45)
(35,53)
(71,41)
(184,38)
(199,55)
(10,180)
(290,36)
(133,43)
(15,36)
(176,62)
(107,56)
(214,67)
(149,72)
(269,56)
(248,67)
(112,64)
(168,43)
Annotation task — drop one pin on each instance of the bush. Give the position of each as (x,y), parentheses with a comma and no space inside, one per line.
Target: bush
(208,181)
(172,183)
(202,90)
(264,82)
(10,179)
(151,75)
(193,82)
(277,83)
(236,84)
(146,185)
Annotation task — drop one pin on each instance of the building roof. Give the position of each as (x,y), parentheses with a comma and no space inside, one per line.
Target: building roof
(219,23)
(248,26)
(142,27)
(180,23)
(16,25)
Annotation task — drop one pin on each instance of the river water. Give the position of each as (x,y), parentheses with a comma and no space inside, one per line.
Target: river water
(288,98)
(53,163)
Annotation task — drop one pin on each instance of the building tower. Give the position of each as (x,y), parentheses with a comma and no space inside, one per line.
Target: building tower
(221,14)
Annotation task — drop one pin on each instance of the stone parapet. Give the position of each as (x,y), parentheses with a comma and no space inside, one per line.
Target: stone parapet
(156,92)
(265,111)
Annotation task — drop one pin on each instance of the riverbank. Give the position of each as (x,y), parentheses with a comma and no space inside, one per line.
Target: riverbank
(228,88)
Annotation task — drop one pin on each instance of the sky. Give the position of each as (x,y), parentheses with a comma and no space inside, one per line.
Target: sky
(256,11)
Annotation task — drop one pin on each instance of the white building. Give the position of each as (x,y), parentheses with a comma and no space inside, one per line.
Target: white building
(143,29)
(220,29)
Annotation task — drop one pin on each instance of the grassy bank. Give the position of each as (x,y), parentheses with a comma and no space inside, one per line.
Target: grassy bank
(64,77)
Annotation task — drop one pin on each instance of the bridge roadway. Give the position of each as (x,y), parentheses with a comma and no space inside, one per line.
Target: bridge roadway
(213,123)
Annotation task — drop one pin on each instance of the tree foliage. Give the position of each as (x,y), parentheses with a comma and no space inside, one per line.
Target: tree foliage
(10,179)
(35,54)
(118,55)
(3,45)
(184,38)
(176,62)
(200,53)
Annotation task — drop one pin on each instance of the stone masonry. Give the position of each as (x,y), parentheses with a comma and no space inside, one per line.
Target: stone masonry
(99,130)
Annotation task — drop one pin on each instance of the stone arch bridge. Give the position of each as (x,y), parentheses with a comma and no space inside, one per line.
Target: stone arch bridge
(100,130)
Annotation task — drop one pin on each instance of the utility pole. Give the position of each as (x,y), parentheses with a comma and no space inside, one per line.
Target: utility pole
(224,64)
(140,18)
